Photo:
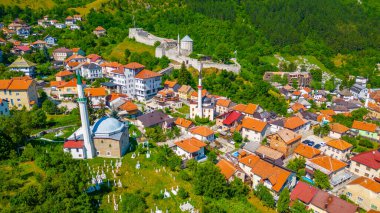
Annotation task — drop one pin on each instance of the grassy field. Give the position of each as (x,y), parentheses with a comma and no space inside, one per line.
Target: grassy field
(59,120)
(33,4)
(133,46)
(270,59)
(86,9)
(147,180)
(66,133)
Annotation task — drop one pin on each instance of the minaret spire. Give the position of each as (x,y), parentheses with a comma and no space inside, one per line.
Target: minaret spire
(87,138)
(178,45)
(200,105)
(367,99)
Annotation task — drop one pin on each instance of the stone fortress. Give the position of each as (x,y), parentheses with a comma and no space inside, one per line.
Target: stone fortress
(178,50)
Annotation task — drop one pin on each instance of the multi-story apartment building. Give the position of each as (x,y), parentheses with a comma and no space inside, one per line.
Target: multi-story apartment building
(302,78)
(19,92)
(91,71)
(62,53)
(366,164)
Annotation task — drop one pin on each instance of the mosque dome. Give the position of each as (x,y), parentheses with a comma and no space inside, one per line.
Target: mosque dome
(107,126)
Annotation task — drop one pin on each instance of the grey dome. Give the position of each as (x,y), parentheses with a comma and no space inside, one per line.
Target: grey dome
(107,125)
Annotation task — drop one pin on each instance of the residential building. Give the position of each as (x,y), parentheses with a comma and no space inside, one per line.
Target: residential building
(128,109)
(19,92)
(229,120)
(367,130)
(21,50)
(295,124)
(303,192)
(338,149)
(366,164)
(183,124)
(337,130)
(270,155)
(91,71)
(155,118)
(284,141)
(39,44)
(254,130)
(303,79)
(172,85)
(69,20)
(305,151)
(203,133)
(62,53)
(97,96)
(359,91)
(332,167)
(230,171)
(64,75)
(184,92)
(99,31)
(50,40)
(365,192)
(323,202)
(190,148)
(4,107)
(223,106)
(78,51)
(346,95)
(248,110)
(23,65)
(68,89)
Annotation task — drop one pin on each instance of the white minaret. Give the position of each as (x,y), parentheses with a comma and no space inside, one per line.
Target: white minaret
(178,45)
(200,107)
(87,138)
(367,99)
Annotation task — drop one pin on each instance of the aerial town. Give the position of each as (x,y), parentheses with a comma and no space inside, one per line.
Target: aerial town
(154,138)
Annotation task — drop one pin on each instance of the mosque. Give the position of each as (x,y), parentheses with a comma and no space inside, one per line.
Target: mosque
(108,137)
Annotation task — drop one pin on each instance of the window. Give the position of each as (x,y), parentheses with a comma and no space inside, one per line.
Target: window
(357,164)
(77,150)
(366,174)
(357,170)
(18,100)
(97,153)
(368,169)
(348,194)
(108,153)
(80,155)
(110,145)
(360,199)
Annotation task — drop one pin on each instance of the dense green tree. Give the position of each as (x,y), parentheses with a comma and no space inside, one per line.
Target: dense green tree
(237,188)
(283,201)
(264,195)
(299,207)
(322,130)
(6,145)
(237,137)
(209,182)
(222,52)
(133,202)
(184,76)
(49,107)
(321,180)
(297,165)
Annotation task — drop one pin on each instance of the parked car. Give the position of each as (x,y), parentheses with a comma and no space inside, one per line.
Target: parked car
(310,143)
(317,146)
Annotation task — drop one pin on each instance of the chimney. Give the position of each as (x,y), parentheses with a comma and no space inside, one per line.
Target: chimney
(249,160)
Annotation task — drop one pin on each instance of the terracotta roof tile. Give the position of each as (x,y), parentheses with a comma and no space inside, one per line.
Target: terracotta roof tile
(288,136)
(328,163)
(101,91)
(202,131)
(297,107)
(4,84)
(134,65)
(370,159)
(195,93)
(254,124)
(367,183)
(331,203)
(338,128)
(328,112)
(190,145)
(294,122)
(361,125)
(99,28)
(56,83)
(303,192)
(128,106)
(72,144)
(223,102)
(170,84)
(183,122)
(64,73)
(240,107)
(307,151)
(145,74)
(251,108)
(226,168)
(20,84)
(267,171)
(249,160)
(114,96)
(339,144)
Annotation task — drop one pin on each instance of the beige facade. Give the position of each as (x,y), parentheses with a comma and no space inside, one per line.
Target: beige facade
(109,148)
(19,93)
(366,194)
(341,155)
(362,170)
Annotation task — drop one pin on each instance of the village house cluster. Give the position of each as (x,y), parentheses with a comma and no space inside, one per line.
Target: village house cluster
(268,141)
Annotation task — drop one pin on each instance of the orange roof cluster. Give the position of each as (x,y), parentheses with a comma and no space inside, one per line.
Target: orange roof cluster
(111,64)
(134,65)
(195,93)
(223,102)
(240,107)
(145,74)
(128,106)
(339,144)
(307,151)
(170,84)
(202,131)
(71,83)
(73,64)
(294,122)
(272,173)
(326,117)
(226,168)
(249,160)
(328,112)
(74,57)
(56,83)
(183,122)
(329,163)
(338,128)
(114,96)
(254,124)
(250,109)
(374,106)
(297,107)
(288,136)
(190,145)
(101,91)
(100,28)
(361,125)
(297,93)
(307,89)
(16,83)
(367,183)
(64,73)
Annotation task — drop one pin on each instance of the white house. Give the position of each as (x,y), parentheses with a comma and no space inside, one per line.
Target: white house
(337,130)
(254,130)
(91,71)
(97,96)
(50,40)
(203,133)
(23,65)
(190,148)
(60,25)
(338,149)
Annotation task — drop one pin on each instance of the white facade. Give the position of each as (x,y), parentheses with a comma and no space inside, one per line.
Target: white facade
(29,71)
(76,153)
(187,155)
(50,40)
(252,135)
(209,138)
(91,71)
(341,155)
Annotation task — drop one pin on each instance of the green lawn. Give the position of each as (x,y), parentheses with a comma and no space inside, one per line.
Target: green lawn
(97,4)
(270,59)
(33,4)
(66,133)
(133,46)
(185,109)
(58,121)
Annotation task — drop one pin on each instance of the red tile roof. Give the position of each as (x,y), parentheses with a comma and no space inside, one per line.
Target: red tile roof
(64,73)
(370,159)
(328,163)
(294,122)
(331,203)
(223,102)
(254,124)
(72,144)
(134,65)
(114,96)
(129,106)
(339,128)
(101,91)
(303,192)
(226,168)
(100,28)
(145,74)
(231,118)
(183,122)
